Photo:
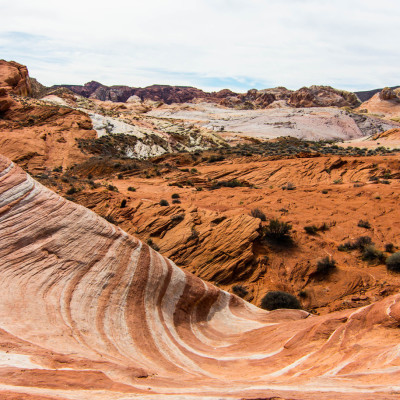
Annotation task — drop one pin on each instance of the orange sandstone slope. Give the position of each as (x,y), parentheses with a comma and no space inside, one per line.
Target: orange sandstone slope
(33,133)
(90,312)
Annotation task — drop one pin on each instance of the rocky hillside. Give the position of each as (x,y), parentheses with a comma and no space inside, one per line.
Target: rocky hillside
(314,96)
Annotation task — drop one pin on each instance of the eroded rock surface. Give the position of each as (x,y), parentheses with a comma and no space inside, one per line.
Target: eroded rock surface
(91,312)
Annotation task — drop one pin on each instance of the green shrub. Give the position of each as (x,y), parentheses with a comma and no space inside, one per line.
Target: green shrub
(175,196)
(257,213)
(311,229)
(164,203)
(325,266)
(277,230)
(389,247)
(276,299)
(112,188)
(176,201)
(177,217)
(152,245)
(72,190)
(362,223)
(358,244)
(120,176)
(393,262)
(370,253)
(131,189)
(240,291)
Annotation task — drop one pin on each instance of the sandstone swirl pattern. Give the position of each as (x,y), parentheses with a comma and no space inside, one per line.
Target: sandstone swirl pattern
(89,312)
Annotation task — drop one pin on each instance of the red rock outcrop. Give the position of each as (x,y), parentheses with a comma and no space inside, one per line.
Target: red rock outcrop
(14,78)
(5,100)
(90,312)
(40,136)
(322,96)
(388,94)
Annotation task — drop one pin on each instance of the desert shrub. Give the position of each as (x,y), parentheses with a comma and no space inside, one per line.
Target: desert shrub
(152,245)
(370,253)
(112,188)
(358,244)
(362,242)
(276,299)
(194,171)
(163,203)
(72,190)
(338,181)
(257,213)
(290,186)
(389,247)
(123,203)
(120,176)
(177,217)
(240,291)
(176,201)
(325,266)
(214,158)
(58,169)
(325,191)
(175,196)
(362,223)
(131,189)
(199,188)
(393,262)
(311,229)
(278,230)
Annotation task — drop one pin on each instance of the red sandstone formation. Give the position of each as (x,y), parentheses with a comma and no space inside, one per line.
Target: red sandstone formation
(90,312)
(39,136)
(14,78)
(322,96)
(388,94)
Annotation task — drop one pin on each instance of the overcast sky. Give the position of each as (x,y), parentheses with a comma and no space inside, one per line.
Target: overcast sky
(211,44)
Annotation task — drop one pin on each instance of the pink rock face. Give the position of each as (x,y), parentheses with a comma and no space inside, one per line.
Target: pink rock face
(90,312)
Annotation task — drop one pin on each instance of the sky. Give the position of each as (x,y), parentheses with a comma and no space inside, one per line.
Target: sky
(210,44)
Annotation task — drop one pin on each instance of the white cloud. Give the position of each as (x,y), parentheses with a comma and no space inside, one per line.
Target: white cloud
(349,44)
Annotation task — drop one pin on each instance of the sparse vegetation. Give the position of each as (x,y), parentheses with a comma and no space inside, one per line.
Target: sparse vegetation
(240,290)
(325,266)
(364,224)
(163,203)
(152,245)
(131,189)
(71,190)
(278,231)
(123,203)
(277,299)
(393,262)
(389,247)
(175,196)
(112,188)
(257,213)
(178,217)
(370,253)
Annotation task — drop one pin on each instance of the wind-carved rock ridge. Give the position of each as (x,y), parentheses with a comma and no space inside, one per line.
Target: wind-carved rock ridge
(90,312)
